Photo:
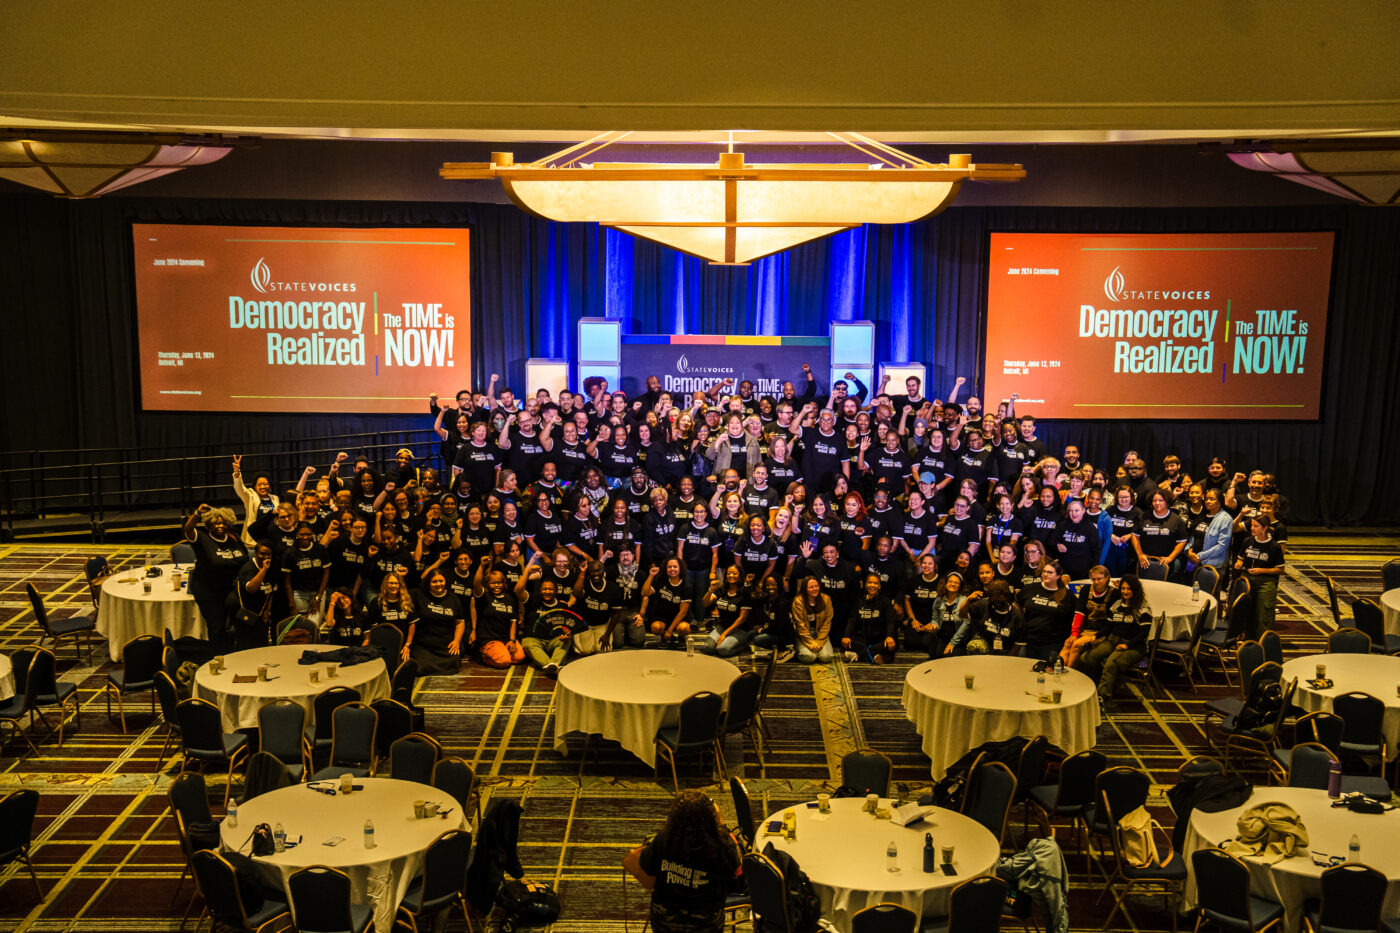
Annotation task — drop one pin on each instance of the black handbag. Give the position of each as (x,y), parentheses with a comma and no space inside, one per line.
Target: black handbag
(262,840)
(528,904)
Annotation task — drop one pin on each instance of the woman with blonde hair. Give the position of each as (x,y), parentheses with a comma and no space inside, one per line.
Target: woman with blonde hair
(219,556)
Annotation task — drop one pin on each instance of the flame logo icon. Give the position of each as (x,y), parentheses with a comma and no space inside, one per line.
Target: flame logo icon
(682,364)
(261,276)
(1113,285)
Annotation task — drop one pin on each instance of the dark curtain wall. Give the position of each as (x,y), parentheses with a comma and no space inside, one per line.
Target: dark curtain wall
(69,326)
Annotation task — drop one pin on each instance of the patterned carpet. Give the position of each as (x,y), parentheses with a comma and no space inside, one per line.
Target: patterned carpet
(108,860)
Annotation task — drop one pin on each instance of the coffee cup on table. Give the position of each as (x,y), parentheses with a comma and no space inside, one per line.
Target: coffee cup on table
(1056,695)
(331,669)
(347,782)
(872,802)
(420,808)
(315,676)
(824,800)
(262,672)
(947,855)
(430,809)
(967,681)
(1321,672)
(146,587)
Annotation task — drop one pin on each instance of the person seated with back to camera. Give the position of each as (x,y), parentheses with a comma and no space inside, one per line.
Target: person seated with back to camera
(689,867)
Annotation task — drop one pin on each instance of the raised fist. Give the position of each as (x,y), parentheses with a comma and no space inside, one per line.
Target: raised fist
(959,381)
(341,457)
(807,368)
(309,472)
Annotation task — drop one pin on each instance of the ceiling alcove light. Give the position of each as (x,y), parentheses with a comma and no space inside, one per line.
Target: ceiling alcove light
(77,164)
(732,212)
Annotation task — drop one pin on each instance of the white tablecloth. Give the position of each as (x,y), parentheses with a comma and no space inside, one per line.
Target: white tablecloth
(1002,703)
(844,857)
(1295,879)
(1390,607)
(125,611)
(239,703)
(380,875)
(7,678)
(628,695)
(1376,674)
(1174,600)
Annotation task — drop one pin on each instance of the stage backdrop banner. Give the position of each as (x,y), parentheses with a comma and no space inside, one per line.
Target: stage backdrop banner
(1228,325)
(300,319)
(692,364)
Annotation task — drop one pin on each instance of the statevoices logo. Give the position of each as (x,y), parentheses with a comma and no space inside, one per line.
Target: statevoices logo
(1114,285)
(261,276)
(683,366)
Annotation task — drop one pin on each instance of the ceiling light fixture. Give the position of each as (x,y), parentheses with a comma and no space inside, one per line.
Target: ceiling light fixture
(1363,170)
(87,165)
(732,212)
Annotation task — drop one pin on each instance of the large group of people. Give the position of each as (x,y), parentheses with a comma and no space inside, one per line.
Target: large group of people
(836,527)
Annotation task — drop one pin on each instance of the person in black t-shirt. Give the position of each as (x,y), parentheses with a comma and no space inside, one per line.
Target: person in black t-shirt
(1261,559)
(666,601)
(689,867)
(220,555)
(870,631)
(435,638)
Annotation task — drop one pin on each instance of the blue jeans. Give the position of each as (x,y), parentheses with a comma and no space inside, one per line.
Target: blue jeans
(699,581)
(731,645)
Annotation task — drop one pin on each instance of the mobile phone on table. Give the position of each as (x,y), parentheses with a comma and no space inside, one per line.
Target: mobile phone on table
(775,826)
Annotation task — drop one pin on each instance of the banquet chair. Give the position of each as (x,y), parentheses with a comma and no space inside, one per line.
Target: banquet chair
(991,792)
(1332,602)
(1304,730)
(1249,658)
(1362,716)
(1348,641)
(1071,795)
(975,906)
(1028,772)
(1241,615)
(95,572)
(401,688)
(75,627)
(1390,574)
(170,662)
(697,730)
(1146,669)
(321,902)
(1207,578)
(413,757)
(17,810)
(188,799)
(140,661)
(169,696)
(1309,765)
(1272,644)
(1183,651)
(203,740)
(352,742)
(1352,894)
(182,553)
(885,918)
(743,814)
(264,773)
(1167,879)
(322,708)
(21,705)
(455,775)
(741,715)
(768,895)
(1121,789)
(867,771)
(189,648)
(395,722)
(1258,740)
(768,671)
(1154,571)
(442,882)
(1222,892)
(45,689)
(218,883)
(388,640)
(282,733)
(1369,618)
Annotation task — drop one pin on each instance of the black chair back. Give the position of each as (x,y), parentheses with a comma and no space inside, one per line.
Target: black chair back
(189,798)
(743,702)
(1240,586)
(976,905)
(992,789)
(413,757)
(169,696)
(445,869)
(388,640)
(218,883)
(1222,888)
(1332,602)
(1351,897)
(141,660)
(1153,571)
(42,679)
(767,893)
(41,614)
(182,553)
(169,661)
(1390,574)
(455,776)
(1272,645)
(1079,774)
(1207,578)
(94,568)
(699,719)
(1248,656)
(1324,728)
(265,772)
(1369,618)
(405,676)
(20,662)
(866,770)
(1119,790)
(1309,764)
(1361,715)
(1349,641)
(885,918)
(1030,765)
(1242,614)
(201,727)
(352,735)
(324,707)
(282,730)
(17,810)
(395,722)
(743,812)
(320,899)
(1268,672)
(1199,766)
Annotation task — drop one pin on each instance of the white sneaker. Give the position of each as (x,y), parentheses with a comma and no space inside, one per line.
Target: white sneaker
(551,669)
(851,656)
(785,655)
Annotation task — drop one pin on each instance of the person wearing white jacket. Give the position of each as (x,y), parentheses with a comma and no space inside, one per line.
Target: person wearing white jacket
(258,502)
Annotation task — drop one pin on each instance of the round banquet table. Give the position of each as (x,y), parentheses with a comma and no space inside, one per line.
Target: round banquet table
(628,695)
(381,875)
(1175,601)
(7,678)
(125,611)
(1002,703)
(1295,879)
(844,857)
(289,680)
(1390,607)
(1376,674)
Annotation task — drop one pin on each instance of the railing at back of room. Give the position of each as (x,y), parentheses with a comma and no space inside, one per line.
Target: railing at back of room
(43,484)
